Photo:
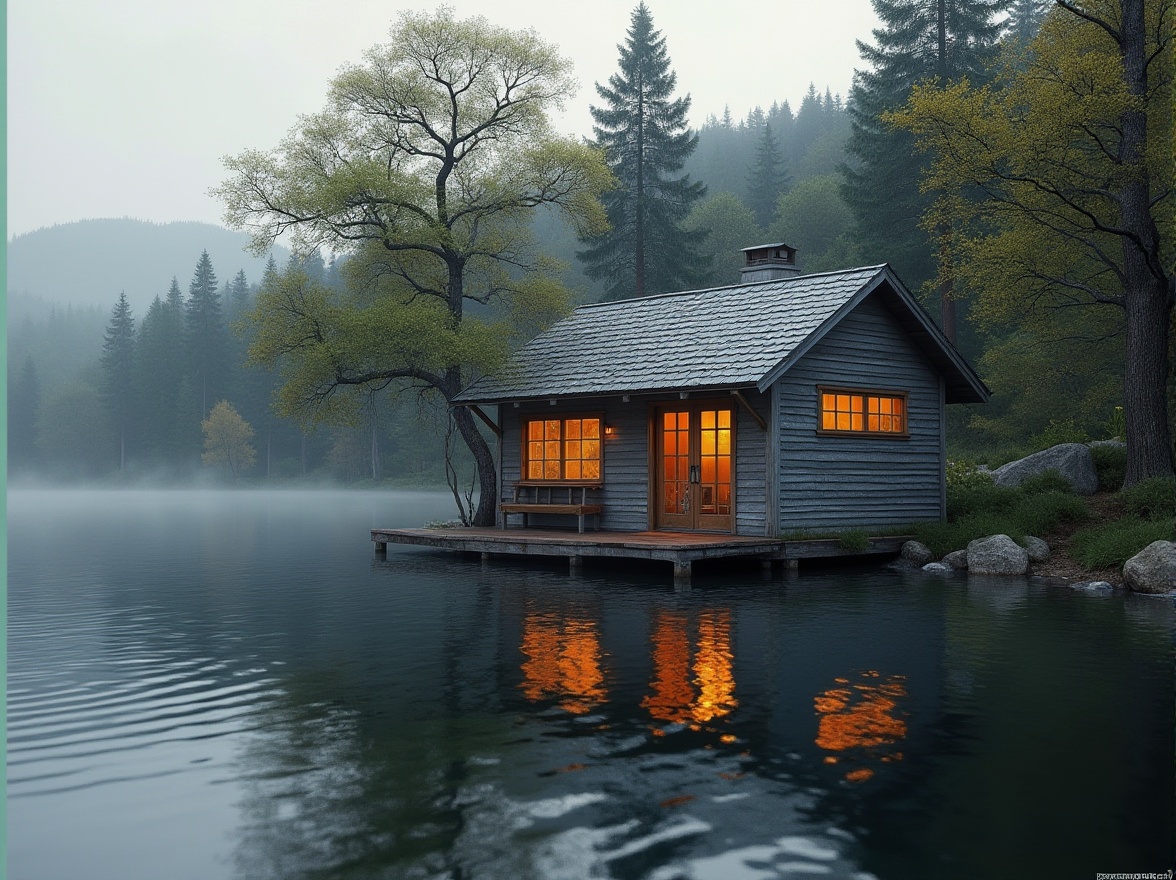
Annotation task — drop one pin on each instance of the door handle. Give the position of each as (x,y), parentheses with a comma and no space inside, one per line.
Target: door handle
(694,473)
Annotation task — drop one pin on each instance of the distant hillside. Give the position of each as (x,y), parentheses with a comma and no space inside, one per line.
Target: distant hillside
(88,262)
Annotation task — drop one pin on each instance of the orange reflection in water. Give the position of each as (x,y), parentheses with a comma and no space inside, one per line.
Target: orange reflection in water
(862,720)
(563,661)
(677,695)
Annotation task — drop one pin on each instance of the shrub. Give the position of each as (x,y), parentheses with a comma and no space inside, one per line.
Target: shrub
(965,475)
(1037,514)
(1047,481)
(1151,499)
(1111,464)
(1111,544)
(1059,432)
(983,497)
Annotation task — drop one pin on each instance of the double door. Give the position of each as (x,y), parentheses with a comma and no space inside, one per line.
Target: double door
(695,445)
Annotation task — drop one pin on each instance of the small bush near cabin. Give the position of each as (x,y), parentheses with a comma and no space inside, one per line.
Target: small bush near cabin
(1151,499)
(985,497)
(1111,544)
(965,475)
(1111,464)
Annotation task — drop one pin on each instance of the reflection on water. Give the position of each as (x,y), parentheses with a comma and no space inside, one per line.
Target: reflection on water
(228,685)
(563,662)
(691,686)
(860,720)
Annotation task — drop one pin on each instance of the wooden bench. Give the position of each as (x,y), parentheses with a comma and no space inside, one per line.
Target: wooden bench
(541,498)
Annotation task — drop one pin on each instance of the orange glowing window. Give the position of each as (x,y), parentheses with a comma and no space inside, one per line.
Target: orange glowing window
(846,411)
(562,449)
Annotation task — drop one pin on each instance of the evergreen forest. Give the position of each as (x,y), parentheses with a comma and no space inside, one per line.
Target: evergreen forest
(1024,255)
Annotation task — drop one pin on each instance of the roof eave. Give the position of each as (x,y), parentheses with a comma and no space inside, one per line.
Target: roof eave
(968,387)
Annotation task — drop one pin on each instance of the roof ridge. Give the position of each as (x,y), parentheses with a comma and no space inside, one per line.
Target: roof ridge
(751,284)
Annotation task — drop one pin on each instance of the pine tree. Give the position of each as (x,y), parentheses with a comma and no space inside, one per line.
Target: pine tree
(118,374)
(206,337)
(24,401)
(175,299)
(159,373)
(1025,18)
(767,179)
(920,40)
(644,134)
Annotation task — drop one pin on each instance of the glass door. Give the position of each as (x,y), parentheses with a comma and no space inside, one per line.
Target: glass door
(694,487)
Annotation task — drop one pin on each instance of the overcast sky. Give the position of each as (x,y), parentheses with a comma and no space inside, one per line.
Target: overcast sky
(125,107)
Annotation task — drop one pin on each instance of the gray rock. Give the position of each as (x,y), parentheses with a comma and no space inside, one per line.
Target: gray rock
(997,554)
(1093,587)
(920,554)
(1038,550)
(956,559)
(936,566)
(1152,569)
(1118,444)
(1072,460)
(901,565)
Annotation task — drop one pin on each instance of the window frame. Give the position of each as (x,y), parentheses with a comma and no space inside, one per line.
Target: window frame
(563,417)
(865,393)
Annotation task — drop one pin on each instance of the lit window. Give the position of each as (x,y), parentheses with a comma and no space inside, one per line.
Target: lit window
(562,449)
(845,411)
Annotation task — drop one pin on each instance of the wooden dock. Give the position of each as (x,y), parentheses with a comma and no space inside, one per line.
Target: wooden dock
(682,549)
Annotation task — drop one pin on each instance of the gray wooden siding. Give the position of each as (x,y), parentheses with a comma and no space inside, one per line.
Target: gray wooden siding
(625,494)
(831,483)
(751,467)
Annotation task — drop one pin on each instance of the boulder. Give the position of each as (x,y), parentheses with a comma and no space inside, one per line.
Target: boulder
(997,554)
(920,554)
(1072,460)
(936,566)
(1101,587)
(1152,569)
(956,559)
(1038,550)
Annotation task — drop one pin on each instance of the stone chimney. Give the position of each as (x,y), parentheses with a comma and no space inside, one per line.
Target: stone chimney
(768,262)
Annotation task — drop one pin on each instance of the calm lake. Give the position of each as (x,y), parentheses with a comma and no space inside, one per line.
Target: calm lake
(230,685)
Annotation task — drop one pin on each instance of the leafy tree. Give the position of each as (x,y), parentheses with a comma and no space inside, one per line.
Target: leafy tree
(226,440)
(1073,157)
(424,168)
(767,180)
(730,226)
(206,336)
(644,134)
(919,40)
(814,219)
(118,374)
(23,403)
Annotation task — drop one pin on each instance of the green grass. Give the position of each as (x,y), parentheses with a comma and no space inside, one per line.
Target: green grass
(1153,499)
(992,510)
(1111,544)
(854,540)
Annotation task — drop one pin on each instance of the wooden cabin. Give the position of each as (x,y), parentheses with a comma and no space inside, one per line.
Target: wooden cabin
(786,403)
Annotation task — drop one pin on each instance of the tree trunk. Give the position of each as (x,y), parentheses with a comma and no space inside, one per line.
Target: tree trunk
(1149,441)
(484,461)
(1147,298)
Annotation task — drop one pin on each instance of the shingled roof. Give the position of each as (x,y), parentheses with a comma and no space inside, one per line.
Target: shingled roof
(724,337)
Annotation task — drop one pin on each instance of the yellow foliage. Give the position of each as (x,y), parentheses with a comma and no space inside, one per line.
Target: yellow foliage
(226,440)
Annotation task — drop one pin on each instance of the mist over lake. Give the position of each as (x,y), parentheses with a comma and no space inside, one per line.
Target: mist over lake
(230,684)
